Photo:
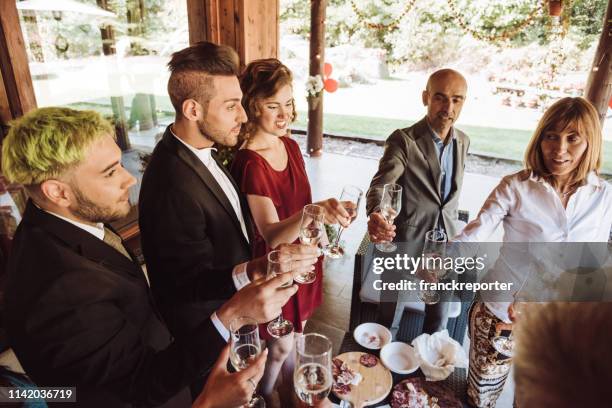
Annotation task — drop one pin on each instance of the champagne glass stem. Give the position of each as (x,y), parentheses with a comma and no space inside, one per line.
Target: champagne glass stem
(337,240)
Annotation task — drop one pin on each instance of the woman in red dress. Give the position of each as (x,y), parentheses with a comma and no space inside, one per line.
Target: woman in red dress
(270,170)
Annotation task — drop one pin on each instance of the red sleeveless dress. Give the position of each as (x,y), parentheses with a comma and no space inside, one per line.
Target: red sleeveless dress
(289,190)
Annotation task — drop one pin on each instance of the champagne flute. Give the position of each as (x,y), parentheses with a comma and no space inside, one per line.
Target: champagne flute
(390,206)
(312,378)
(352,194)
(428,296)
(245,346)
(279,327)
(311,231)
(435,248)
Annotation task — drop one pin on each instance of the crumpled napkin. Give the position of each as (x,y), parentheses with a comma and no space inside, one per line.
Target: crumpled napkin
(439,355)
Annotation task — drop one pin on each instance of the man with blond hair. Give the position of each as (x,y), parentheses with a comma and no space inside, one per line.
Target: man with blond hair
(78,309)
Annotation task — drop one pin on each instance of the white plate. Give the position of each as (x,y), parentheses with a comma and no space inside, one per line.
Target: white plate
(399,357)
(364,330)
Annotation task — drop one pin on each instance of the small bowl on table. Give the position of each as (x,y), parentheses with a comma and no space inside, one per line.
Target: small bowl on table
(372,336)
(401,358)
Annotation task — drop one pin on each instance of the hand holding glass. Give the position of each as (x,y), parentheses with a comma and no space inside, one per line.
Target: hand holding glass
(350,194)
(244,348)
(506,345)
(279,327)
(312,228)
(390,206)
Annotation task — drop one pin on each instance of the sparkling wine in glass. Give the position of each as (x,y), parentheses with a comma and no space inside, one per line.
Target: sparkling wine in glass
(390,206)
(312,228)
(428,296)
(351,195)
(434,248)
(245,346)
(312,378)
(279,327)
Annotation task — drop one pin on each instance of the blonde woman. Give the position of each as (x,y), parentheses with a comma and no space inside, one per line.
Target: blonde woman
(558,197)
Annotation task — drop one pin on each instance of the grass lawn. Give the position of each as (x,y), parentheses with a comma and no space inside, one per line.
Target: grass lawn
(506,143)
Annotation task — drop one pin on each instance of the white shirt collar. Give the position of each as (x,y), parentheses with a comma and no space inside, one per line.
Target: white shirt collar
(97,230)
(592,179)
(205,154)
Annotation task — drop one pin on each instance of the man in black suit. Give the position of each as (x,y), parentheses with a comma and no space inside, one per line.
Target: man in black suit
(78,309)
(196,225)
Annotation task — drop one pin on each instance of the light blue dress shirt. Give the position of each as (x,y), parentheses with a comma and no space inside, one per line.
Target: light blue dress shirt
(446,160)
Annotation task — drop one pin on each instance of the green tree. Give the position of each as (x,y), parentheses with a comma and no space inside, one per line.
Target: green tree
(431,32)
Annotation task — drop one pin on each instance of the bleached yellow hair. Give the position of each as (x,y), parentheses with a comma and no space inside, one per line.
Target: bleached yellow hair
(47,142)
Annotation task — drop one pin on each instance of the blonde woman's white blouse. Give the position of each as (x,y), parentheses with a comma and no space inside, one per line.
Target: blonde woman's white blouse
(531,211)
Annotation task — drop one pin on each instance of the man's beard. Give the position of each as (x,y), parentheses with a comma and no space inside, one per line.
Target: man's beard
(215,135)
(92,212)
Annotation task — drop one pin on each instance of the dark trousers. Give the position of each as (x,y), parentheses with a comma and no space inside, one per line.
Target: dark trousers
(436,317)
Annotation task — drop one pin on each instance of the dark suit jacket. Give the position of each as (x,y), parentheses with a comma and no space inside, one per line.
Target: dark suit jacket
(410,160)
(78,313)
(191,237)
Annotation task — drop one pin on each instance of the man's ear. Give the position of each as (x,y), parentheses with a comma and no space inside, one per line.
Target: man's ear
(192,110)
(57,192)
(425,97)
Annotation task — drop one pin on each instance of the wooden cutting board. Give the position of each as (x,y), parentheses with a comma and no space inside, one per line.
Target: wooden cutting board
(375,385)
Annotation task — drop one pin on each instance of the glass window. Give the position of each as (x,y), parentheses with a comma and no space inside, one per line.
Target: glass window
(109,56)
(382,51)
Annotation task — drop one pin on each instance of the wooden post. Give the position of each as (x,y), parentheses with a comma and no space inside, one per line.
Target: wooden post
(317,57)
(248,26)
(258,29)
(599,85)
(203,19)
(16,89)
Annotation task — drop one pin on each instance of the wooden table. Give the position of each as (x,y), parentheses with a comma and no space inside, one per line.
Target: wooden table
(457,381)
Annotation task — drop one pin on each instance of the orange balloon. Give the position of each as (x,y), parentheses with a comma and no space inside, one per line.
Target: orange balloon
(327,69)
(331,85)
(610,103)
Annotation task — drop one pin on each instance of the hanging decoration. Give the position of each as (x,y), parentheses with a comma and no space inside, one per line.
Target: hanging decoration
(329,84)
(557,54)
(380,26)
(503,36)
(555,8)
(327,69)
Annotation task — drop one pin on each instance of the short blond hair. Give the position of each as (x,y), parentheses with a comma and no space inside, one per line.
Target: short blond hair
(566,112)
(563,355)
(47,142)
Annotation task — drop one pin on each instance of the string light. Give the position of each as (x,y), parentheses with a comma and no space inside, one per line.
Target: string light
(379,26)
(504,36)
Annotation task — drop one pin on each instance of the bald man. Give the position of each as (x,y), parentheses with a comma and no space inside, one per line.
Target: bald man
(427,159)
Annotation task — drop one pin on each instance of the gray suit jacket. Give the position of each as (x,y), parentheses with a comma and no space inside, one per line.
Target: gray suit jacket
(410,160)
